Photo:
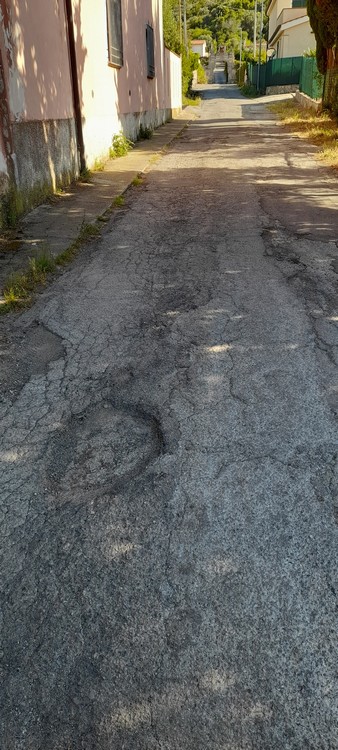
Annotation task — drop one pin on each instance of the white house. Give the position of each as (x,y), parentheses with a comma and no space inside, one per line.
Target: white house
(200,47)
(290,33)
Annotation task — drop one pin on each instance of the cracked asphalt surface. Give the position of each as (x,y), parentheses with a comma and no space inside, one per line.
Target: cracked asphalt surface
(169,500)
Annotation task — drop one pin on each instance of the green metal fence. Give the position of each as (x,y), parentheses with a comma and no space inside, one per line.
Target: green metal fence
(311,81)
(284,71)
(256,75)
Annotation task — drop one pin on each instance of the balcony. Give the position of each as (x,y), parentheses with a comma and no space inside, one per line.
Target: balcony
(290,14)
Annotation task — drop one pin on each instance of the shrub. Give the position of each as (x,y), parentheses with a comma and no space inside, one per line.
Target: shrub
(120,146)
(201,75)
(189,64)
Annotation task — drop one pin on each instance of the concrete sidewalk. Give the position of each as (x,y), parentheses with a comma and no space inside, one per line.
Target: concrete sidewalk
(57,223)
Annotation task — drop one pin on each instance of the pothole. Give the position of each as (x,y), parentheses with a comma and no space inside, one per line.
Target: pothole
(105,447)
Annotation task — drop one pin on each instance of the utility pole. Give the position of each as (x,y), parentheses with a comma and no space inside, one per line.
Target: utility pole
(180,17)
(185,26)
(260,46)
(240,48)
(255,31)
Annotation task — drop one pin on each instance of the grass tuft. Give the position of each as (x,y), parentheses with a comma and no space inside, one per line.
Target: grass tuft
(41,265)
(145,133)
(19,288)
(191,101)
(118,201)
(137,181)
(85,175)
(98,165)
(87,232)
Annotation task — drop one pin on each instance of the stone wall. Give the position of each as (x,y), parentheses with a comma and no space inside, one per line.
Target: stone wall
(289,89)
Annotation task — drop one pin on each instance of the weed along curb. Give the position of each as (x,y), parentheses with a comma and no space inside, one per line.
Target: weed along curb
(62,226)
(19,288)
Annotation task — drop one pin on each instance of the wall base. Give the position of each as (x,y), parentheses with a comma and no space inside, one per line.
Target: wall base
(45,152)
(288,89)
(45,157)
(153,118)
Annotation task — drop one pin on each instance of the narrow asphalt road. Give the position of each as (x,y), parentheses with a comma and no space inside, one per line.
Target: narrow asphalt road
(169,453)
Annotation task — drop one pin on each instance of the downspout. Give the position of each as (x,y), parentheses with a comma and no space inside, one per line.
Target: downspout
(6,126)
(5,117)
(75,84)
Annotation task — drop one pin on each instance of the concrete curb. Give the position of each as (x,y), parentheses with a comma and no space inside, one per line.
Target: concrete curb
(305,101)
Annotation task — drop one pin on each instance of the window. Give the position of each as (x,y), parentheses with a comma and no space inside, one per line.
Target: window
(115,38)
(299,3)
(150,52)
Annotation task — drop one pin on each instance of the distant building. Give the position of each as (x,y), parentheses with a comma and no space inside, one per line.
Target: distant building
(199,46)
(290,33)
(73,73)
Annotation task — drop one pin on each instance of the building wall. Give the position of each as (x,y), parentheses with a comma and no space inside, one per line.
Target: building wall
(173,81)
(199,48)
(38,77)
(290,14)
(296,40)
(274,10)
(300,39)
(34,51)
(115,99)
(38,94)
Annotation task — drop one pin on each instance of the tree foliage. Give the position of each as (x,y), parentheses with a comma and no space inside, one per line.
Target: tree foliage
(172,25)
(202,34)
(220,20)
(223,19)
(328,10)
(323,15)
(216,21)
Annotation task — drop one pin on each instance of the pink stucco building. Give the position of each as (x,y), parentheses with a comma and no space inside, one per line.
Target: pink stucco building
(72,74)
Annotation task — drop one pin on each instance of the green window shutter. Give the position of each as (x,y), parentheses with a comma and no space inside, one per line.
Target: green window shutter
(115,36)
(150,52)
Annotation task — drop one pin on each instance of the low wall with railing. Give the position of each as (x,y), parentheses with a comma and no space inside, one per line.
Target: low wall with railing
(292,73)
(279,72)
